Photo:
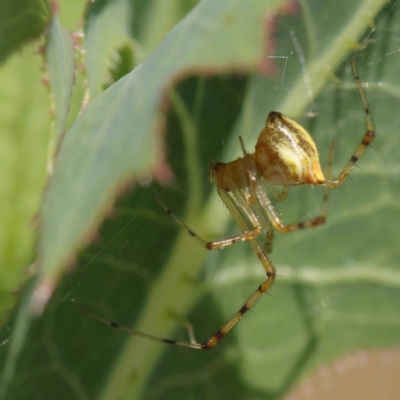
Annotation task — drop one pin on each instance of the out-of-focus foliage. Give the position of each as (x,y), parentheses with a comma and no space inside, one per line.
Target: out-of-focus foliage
(21,22)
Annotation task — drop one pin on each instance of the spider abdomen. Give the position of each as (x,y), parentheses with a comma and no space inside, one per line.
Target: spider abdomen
(286,154)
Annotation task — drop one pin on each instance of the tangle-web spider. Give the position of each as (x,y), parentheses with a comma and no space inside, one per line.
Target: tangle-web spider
(285,155)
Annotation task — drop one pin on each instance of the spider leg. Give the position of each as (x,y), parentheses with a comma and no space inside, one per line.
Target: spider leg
(276,220)
(264,287)
(268,240)
(192,344)
(247,196)
(367,139)
(261,253)
(248,176)
(215,244)
(253,212)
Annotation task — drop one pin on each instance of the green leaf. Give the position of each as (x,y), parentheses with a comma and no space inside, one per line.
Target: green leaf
(60,55)
(24,136)
(107,31)
(20,22)
(338,285)
(153,19)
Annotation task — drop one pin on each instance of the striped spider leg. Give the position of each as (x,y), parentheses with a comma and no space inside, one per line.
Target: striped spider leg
(285,155)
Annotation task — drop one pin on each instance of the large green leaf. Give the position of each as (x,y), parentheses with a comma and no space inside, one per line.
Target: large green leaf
(24,136)
(337,289)
(60,54)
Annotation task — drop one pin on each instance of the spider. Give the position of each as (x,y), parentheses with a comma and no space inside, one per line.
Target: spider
(285,155)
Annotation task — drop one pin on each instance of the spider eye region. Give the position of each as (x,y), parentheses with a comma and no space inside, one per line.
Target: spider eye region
(286,153)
